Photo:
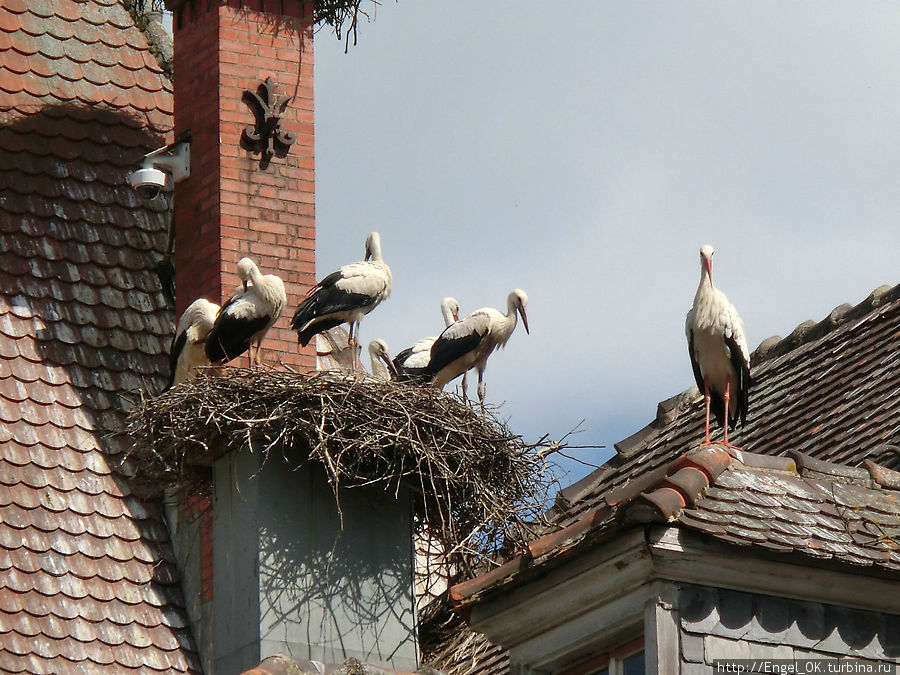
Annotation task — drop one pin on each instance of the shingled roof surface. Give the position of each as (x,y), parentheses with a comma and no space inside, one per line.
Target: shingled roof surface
(87,579)
(793,504)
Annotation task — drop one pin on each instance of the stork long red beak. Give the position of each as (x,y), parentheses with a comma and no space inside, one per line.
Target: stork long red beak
(708,262)
(390,364)
(524,319)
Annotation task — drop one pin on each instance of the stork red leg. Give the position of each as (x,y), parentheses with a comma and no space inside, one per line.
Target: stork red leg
(257,359)
(727,401)
(707,400)
(481,391)
(351,343)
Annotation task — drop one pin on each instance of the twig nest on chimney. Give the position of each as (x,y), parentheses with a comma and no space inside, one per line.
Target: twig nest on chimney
(474,483)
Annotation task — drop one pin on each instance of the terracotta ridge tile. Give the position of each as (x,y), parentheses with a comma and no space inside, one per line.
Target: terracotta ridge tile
(886,478)
(690,483)
(811,466)
(668,501)
(568,535)
(636,486)
(467,589)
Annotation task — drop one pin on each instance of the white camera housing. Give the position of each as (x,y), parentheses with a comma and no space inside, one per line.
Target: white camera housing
(150,180)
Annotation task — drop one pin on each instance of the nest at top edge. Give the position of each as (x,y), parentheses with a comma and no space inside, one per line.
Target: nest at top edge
(471,478)
(343,17)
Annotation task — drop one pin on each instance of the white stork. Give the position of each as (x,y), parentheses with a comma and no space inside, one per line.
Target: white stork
(382,368)
(345,295)
(718,350)
(188,351)
(470,341)
(247,316)
(412,363)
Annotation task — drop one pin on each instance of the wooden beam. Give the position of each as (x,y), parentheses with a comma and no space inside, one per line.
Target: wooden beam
(592,580)
(661,646)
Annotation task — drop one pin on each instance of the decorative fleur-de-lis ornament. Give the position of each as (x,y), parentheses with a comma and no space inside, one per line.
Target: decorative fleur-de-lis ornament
(267,136)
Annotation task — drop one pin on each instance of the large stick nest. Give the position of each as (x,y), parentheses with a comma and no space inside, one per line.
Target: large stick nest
(473,481)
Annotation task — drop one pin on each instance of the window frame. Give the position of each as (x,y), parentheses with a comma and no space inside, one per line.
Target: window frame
(614,659)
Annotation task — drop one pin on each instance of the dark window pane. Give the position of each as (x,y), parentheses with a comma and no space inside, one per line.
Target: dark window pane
(634,664)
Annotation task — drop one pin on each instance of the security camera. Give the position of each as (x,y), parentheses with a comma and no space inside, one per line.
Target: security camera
(150,180)
(149,183)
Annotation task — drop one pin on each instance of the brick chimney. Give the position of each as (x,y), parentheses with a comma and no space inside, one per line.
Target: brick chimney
(239,201)
(268,565)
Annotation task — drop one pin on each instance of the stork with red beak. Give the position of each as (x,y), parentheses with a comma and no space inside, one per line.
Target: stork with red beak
(718,350)
(470,341)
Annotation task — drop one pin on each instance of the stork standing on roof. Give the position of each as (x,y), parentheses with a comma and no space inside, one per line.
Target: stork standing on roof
(345,295)
(470,341)
(412,363)
(188,350)
(718,349)
(245,319)
(382,368)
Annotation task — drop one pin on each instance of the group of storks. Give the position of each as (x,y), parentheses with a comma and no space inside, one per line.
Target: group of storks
(207,334)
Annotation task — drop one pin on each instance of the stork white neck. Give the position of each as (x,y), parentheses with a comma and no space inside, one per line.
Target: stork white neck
(245,271)
(515,304)
(449,310)
(255,275)
(373,247)
(706,255)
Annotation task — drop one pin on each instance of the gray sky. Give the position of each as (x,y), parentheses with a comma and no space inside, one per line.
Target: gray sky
(583,151)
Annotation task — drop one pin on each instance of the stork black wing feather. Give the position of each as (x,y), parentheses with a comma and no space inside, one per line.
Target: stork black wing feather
(405,374)
(446,350)
(178,343)
(744,382)
(316,327)
(698,376)
(325,299)
(230,337)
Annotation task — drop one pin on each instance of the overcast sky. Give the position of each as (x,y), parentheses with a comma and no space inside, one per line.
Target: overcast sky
(583,151)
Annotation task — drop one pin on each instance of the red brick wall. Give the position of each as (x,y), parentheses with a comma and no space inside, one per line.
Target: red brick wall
(232,205)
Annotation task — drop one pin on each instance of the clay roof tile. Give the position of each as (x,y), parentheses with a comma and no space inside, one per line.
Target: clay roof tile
(81,245)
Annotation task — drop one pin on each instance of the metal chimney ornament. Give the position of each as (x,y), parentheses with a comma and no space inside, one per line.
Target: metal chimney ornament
(266,136)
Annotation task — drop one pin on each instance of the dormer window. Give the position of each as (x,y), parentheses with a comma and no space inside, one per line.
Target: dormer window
(626,659)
